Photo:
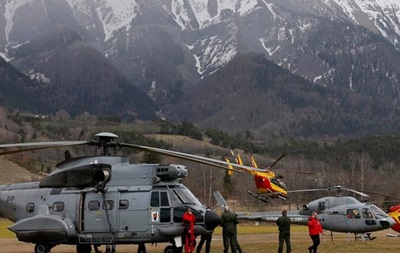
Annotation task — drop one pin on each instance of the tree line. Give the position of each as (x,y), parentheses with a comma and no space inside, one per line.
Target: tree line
(366,163)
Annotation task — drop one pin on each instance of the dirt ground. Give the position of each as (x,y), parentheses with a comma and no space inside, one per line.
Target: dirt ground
(250,243)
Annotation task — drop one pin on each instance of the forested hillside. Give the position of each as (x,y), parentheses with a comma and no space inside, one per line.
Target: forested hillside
(367,163)
(252,93)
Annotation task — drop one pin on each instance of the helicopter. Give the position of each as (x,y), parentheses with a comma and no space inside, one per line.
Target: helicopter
(269,186)
(103,200)
(394,212)
(336,213)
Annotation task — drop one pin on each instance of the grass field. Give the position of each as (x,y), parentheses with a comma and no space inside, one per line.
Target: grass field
(263,238)
(4,232)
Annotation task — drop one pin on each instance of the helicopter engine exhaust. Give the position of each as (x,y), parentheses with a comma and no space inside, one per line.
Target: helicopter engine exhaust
(171,171)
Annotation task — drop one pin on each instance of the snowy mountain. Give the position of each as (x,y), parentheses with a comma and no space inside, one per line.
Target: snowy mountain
(166,47)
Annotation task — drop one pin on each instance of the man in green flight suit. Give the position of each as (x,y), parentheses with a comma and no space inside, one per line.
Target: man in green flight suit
(283,223)
(229,232)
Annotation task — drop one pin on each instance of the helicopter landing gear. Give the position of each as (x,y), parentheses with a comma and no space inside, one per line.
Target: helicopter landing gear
(141,248)
(172,249)
(83,248)
(42,248)
(263,198)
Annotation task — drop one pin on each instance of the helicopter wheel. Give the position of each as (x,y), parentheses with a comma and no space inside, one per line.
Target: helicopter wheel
(171,249)
(42,248)
(83,248)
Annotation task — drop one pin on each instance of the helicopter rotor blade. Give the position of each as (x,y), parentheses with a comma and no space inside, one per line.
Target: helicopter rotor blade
(307,190)
(195,158)
(38,146)
(200,160)
(338,189)
(277,160)
(384,195)
(298,172)
(357,192)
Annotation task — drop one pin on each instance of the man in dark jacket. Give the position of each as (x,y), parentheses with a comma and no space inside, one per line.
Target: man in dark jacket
(283,223)
(206,238)
(229,232)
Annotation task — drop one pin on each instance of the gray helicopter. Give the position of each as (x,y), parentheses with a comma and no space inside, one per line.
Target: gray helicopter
(336,213)
(103,200)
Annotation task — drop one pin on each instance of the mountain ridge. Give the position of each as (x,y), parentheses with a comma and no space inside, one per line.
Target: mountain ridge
(166,48)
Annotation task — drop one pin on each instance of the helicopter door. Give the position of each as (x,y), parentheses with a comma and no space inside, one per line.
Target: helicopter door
(133,211)
(99,216)
(353,217)
(160,208)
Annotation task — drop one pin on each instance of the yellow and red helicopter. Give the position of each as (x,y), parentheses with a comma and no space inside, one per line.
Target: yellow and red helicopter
(394,212)
(269,186)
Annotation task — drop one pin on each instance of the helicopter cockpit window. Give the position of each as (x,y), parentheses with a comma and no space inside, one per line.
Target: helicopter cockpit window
(155,199)
(109,204)
(186,197)
(123,204)
(165,214)
(164,199)
(30,207)
(321,206)
(353,213)
(94,205)
(159,199)
(58,206)
(378,212)
(367,213)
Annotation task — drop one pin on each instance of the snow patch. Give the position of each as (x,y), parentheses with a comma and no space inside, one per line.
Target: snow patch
(270,50)
(115,15)
(38,76)
(10,8)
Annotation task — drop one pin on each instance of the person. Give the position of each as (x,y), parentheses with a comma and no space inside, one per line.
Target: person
(188,220)
(141,248)
(229,231)
(238,248)
(110,248)
(96,248)
(280,181)
(283,223)
(205,238)
(314,229)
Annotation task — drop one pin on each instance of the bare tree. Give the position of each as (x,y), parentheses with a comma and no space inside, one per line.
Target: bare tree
(365,166)
(353,157)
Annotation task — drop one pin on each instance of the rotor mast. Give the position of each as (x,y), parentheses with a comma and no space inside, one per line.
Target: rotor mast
(105,141)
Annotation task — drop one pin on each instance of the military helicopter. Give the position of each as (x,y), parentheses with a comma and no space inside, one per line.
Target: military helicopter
(269,186)
(103,200)
(336,213)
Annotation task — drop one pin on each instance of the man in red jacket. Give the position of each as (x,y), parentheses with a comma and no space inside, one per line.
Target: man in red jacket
(314,229)
(188,230)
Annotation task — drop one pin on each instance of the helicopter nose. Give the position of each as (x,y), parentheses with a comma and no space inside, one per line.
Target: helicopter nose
(211,219)
(387,223)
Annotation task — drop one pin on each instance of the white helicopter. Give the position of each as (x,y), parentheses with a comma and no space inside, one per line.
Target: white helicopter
(336,213)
